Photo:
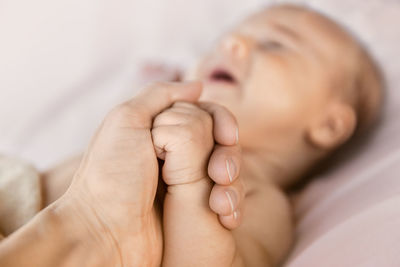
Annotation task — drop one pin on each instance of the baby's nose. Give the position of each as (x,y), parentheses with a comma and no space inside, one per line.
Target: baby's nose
(237,46)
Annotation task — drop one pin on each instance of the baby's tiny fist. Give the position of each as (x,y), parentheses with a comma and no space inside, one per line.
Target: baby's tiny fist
(182,136)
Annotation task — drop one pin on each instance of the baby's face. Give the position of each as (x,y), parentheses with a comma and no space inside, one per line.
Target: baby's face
(274,72)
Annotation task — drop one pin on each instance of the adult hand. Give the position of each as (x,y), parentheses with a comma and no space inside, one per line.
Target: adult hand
(113,191)
(107,216)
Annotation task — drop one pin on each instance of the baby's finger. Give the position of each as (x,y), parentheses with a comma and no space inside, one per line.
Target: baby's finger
(225,199)
(225,125)
(224,164)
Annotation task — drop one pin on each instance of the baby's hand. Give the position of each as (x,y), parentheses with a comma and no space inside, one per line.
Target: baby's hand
(183,136)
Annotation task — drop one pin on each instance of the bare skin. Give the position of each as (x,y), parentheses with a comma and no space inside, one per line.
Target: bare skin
(278,73)
(107,216)
(287,74)
(183,136)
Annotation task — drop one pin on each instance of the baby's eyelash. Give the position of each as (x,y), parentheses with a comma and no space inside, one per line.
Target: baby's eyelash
(271,45)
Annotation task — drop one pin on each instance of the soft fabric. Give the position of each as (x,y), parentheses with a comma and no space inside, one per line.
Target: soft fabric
(20,194)
(349,216)
(65,63)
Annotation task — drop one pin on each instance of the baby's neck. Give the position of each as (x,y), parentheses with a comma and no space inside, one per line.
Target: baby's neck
(259,167)
(266,167)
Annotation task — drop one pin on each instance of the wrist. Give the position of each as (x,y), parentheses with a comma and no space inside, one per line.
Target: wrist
(197,192)
(199,186)
(87,242)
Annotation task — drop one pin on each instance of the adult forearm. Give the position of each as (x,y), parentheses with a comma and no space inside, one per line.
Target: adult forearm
(54,238)
(56,180)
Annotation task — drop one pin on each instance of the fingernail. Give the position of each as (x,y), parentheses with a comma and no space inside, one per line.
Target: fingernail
(231,169)
(232,199)
(237,135)
(235,215)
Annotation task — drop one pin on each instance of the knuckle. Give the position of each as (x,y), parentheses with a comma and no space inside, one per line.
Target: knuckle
(199,115)
(128,115)
(119,112)
(196,137)
(183,117)
(193,114)
(188,132)
(170,117)
(201,126)
(194,127)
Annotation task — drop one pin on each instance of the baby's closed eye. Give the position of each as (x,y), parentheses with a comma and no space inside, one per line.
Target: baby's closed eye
(271,45)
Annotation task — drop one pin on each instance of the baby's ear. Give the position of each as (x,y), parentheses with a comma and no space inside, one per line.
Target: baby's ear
(333,127)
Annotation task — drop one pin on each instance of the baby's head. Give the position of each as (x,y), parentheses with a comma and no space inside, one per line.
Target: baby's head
(298,84)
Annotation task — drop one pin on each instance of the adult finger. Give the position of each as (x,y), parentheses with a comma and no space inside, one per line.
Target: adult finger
(225,125)
(224,164)
(226,199)
(157,97)
(233,220)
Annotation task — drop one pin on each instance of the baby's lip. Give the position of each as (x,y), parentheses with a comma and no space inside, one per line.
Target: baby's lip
(222,75)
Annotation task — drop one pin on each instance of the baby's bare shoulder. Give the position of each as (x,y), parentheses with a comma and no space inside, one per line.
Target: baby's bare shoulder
(266,230)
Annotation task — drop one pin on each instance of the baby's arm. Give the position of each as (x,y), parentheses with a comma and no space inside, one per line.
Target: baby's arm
(193,235)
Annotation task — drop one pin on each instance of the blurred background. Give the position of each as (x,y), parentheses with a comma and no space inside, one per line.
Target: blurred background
(65,63)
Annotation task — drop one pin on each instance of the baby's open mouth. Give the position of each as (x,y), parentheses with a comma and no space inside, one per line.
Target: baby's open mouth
(221,75)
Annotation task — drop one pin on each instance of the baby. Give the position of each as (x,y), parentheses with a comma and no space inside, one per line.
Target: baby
(299,87)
